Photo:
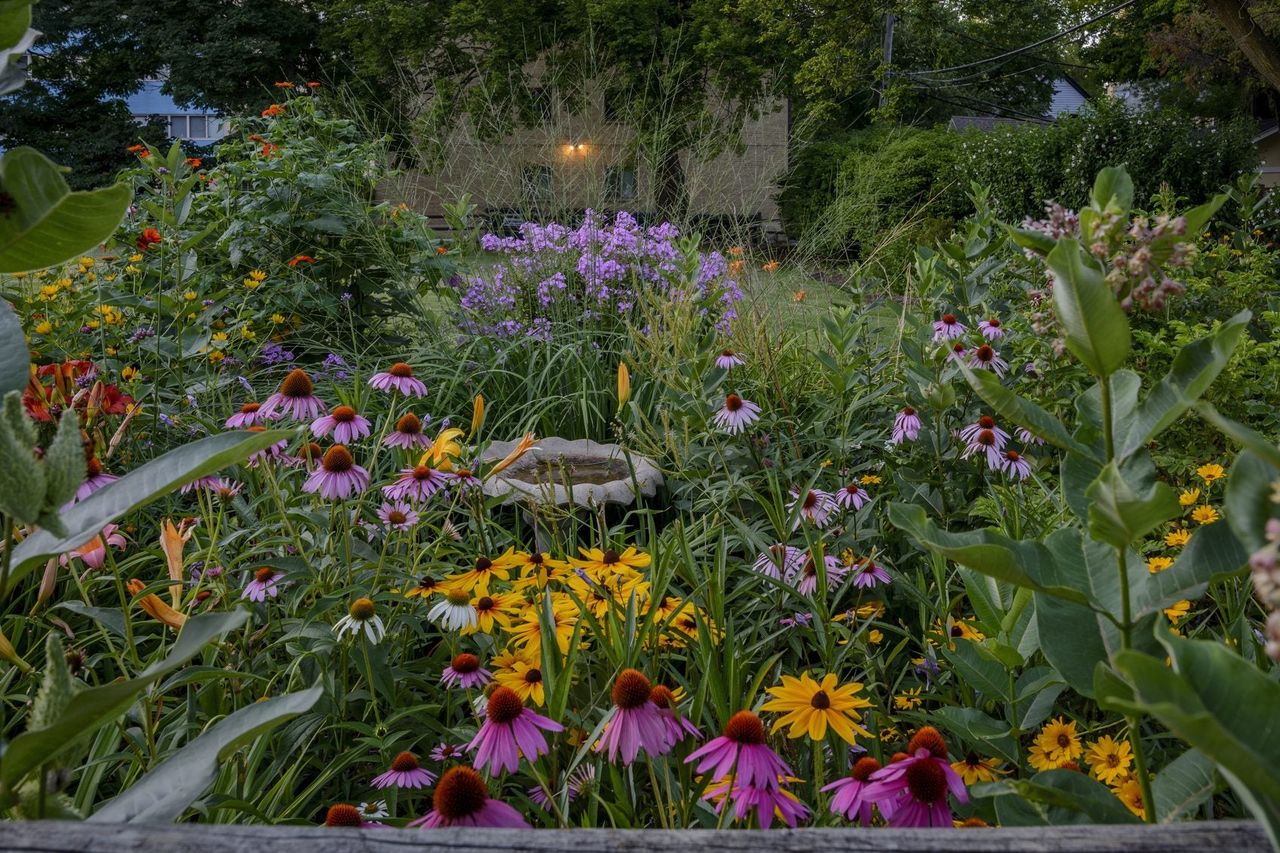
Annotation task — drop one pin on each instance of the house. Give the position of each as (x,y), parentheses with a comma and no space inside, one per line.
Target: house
(1267,143)
(1068,98)
(200,127)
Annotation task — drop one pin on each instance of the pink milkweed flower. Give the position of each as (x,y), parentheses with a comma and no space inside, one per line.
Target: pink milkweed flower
(853,496)
(986,358)
(728,359)
(1015,465)
(867,575)
(635,723)
(509,731)
(806,579)
(249,415)
(465,671)
(448,751)
(906,426)
(1026,436)
(462,799)
(743,751)
(408,433)
(678,727)
(815,505)
(399,377)
(991,329)
(398,515)
(265,583)
(345,424)
(765,802)
(405,772)
(850,800)
(913,791)
(94,552)
(338,476)
(736,415)
(947,328)
(416,484)
(779,560)
(296,397)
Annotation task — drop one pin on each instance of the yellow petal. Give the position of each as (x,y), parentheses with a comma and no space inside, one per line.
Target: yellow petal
(624,385)
(521,448)
(477,415)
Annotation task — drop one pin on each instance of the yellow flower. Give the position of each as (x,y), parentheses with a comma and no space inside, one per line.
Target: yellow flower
(1210,472)
(1038,758)
(870,479)
(1177,538)
(444,449)
(477,415)
(247,333)
(251,284)
(601,564)
(1204,515)
(486,570)
(493,610)
(974,769)
(129,373)
(44,327)
(538,569)
(1109,759)
(219,337)
(258,276)
(908,699)
(522,675)
(875,636)
(1155,565)
(190,296)
(1189,497)
(277,319)
(624,385)
(526,632)
(132,270)
(1130,793)
(1177,610)
(1059,741)
(135,258)
(217,356)
(810,706)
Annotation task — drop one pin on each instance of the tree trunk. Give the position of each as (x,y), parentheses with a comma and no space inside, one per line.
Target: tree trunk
(1259,48)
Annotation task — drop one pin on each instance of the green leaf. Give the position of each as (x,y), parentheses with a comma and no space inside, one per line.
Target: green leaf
(1021,411)
(50,223)
(1184,784)
(1072,793)
(1097,331)
(980,729)
(15,358)
(165,792)
(1113,188)
(139,487)
(1120,515)
(1247,502)
(1194,369)
(1213,553)
(1246,437)
(16,39)
(97,706)
(981,672)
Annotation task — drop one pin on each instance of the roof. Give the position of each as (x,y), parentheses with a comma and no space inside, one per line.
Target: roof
(986,123)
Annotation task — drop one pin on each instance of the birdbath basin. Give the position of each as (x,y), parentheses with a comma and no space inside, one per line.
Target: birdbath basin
(561,472)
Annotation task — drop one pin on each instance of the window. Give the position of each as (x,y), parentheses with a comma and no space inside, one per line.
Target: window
(199,127)
(620,183)
(178,127)
(535,183)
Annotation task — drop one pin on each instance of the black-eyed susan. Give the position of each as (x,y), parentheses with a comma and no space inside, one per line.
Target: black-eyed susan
(526,627)
(494,610)
(521,674)
(1130,793)
(1059,741)
(810,706)
(908,699)
(538,569)
(974,769)
(1177,538)
(1109,759)
(603,563)
(1155,565)
(484,572)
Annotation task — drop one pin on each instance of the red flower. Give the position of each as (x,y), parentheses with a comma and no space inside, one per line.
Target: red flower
(313,84)
(193,162)
(269,149)
(273,111)
(302,259)
(135,149)
(148,238)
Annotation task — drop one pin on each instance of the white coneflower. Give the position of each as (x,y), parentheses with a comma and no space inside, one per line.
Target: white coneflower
(453,611)
(449,529)
(362,617)
(374,810)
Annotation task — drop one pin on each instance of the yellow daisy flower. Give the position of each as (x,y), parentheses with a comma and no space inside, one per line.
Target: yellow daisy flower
(486,570)
(1109,759)
(1155,565)
(1204,515)
(494,610)
(908,699)
(810,706)
(1059,741)
(1177,610)
(1177,538)
(1130,793)
(1210,472)
(522,675)
(600,563)
(1189,496)
(973,769)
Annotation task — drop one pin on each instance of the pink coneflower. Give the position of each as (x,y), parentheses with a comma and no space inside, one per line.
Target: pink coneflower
(345,815)
(398,515)
(94,552)
(465,671)
(867,575)
(345,424)
(736,415)
(779,560)
(267,454)
(635,723)
(296,397)
(913,791)
(1015,465)
(578,781)
(405,772)
(448,752)
(407,434)
(96,478)
(249,415)
(462,479)
(806,579)
(851,801)
(416,484)
(815,505)
(958,352)
(853,496)
(991,329)
(265,583)
(1026,436)
(763,801)
(906,426)
(742,750)
(227,489)
(678,727)
(509,731)
(948,328)
(728,359)
(399,377)
(986,358)
(338,477)
(208,484)
(462,799)
(984,436)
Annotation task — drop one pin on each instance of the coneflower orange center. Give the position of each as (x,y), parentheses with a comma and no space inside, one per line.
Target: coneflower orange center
(404,762)
(986,422)
(310,451)
(745,727)
(400,370)
(810,499)
(662,696)
(631,689)
(986,353)
(864,767)
(504,705)
(249,408)
(948,318)
(465,663)
(460,793)
(907,410)
(344,414)
(986,438)
(95,467)
(264,574)
(362,609)
(409,424)
(820,700)
(397,517)
(927,737)
(733,402)
(1012,455)
(343,814)
(993,323)
(852,488)
(957,347)
(926,781)
(422,472)
(337,459)
(297,384)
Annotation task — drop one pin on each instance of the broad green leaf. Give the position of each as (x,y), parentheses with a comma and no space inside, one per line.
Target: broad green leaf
(165,792)
(1184,784)
(97,706)
(1074,640)
(1121,515)
(1036,241)
(1113,188)
(1246,437)
(1213,553)
(1021,411)
(1074,792)
(16,39)
(1038,691)
(984,674)
(1194,369)
(15,358)
(980,730)
(50,223)
(1097,331)
(139,487)
(1247,502)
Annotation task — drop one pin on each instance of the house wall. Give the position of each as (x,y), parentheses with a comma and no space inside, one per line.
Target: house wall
(1269,160)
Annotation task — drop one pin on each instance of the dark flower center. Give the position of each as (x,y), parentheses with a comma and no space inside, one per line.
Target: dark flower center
(400,370)
(297,384)
(533,676)
(249,408)
(1064,741)
(484,564)
(344,414)
(662,696)
(484,603)
(957,347)
(993,323)
(535,559)
(465,664)
(337,460)
(422,472)
(343,814)
(610,557)
(396,517)
(985,422)
(986,438)
(310,452)
(264,574)
(926,781)
(949,319)
(908,411)
(460,793)
(852,489)
(1012,455)
(864,767)
(505,705)
(985,353)
(745,727)
(409,424)
(810,499)
(733,402)
(820,700)
(927,737)
(631,689)
(362,610)
(404,762)
(95,466)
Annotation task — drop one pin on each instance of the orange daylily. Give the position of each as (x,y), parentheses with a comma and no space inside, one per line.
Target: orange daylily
(155,606)
(522,447)
(172,539)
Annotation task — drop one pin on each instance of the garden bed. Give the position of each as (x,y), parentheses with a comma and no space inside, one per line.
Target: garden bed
(53,836)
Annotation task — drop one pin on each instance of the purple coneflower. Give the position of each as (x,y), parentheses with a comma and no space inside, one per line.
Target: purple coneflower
(779,560)
(1026,436)
(399,377)
(986,358)
(345,424)
(509,731)
(906,426)
(853,496)
(958,352)
(728,359)
(678,727)
(984,436)
(407,434)
(338,476)
(736,415)
(766,803)
(398,515)
(850,801)
(405,772)
(806,579)
(448,751)
(416,484)
(208,484)
(465,671)
(462,479)
(265,583)
(948,328)
(867,575)
(296,397)
(815,505)
(991,329)
(578,781)
(249,415)
(96,479)
(1015,465)
(462,799)
(913,791)
(267,454)
(635,723)
(347,816)
(743,751)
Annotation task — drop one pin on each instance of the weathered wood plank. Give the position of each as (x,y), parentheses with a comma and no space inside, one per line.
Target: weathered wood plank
(70,837)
